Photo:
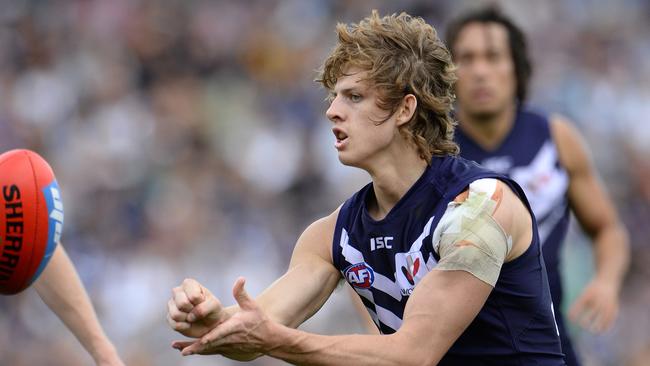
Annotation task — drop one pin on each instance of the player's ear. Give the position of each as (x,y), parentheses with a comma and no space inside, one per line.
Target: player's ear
(406,110)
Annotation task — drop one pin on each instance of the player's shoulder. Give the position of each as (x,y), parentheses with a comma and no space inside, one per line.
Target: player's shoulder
(493,196)
(316,239)
(570,144)
(494,199)
(491,188)
(482,186)
(562,127)
(324,224)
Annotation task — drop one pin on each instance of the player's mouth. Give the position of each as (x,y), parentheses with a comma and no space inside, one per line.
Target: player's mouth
(482,95)
(341,138)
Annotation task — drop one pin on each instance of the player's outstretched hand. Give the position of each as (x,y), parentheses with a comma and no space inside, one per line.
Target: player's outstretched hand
(244,336)
(193,311)
(597,307)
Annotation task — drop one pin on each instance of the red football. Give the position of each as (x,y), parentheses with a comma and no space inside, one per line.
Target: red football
(31,218)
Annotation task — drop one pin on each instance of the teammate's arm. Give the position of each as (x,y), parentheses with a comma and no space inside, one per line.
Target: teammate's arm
(442,305)
(597,307)
(61,289)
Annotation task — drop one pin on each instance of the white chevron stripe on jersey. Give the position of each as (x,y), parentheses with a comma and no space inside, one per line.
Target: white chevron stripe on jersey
(388,318)
(350,254)
(543,182)
(546,225)
(382,283)
(431,262)
(373,316)
(365,293)
(417,244)
(353,256)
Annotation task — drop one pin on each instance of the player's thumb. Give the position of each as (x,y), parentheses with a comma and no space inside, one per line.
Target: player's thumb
(241,296)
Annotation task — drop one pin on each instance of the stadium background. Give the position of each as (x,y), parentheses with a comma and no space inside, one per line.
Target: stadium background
(189,140)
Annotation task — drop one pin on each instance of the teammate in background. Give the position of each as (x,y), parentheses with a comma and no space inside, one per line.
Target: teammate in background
(545,155)
(444,253)
(62,291)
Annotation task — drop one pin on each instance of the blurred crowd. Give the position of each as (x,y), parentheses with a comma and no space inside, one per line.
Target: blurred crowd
(189,140)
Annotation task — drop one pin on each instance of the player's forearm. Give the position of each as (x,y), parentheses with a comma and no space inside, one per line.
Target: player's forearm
(297,295)
(61,289)
(612,254)
(302,348)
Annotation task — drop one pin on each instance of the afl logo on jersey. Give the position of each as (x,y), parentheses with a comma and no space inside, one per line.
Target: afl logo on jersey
(360,275)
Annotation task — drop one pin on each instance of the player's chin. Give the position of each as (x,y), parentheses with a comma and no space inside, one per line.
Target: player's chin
(348,159)
(485,112)
(360,158)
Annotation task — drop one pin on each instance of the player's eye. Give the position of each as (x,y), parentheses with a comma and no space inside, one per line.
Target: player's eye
(493,56)
(355,98)
(464,59)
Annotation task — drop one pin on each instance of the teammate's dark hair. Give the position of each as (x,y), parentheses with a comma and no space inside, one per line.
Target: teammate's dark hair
(517,39)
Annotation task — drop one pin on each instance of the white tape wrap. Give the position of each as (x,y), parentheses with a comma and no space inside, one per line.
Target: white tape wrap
(468,238)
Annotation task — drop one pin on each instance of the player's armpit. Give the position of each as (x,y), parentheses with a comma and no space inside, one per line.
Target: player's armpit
(469,237)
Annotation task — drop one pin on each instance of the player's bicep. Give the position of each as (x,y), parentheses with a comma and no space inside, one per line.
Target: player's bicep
(590,203)
(312,256)
(315,243)
(310,279)
(476,233)
(587,195)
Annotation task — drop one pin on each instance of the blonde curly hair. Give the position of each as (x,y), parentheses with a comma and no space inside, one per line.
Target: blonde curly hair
(402,55)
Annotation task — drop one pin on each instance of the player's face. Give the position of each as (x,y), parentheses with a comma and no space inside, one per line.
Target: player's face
(359,127)
(486,74)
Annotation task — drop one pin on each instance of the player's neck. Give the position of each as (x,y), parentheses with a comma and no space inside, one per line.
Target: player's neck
(488,131)
(392,179)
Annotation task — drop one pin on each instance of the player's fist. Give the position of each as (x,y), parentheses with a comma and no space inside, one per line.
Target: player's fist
(193,311)
(596,309)
(246,335)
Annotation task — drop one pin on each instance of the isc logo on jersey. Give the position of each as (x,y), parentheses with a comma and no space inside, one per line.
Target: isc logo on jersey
(359,275)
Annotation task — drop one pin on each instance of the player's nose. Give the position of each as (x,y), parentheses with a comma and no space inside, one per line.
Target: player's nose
(335,111)
(481,69)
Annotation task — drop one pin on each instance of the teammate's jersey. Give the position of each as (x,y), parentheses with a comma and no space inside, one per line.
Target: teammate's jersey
(529,156)
(384,261)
